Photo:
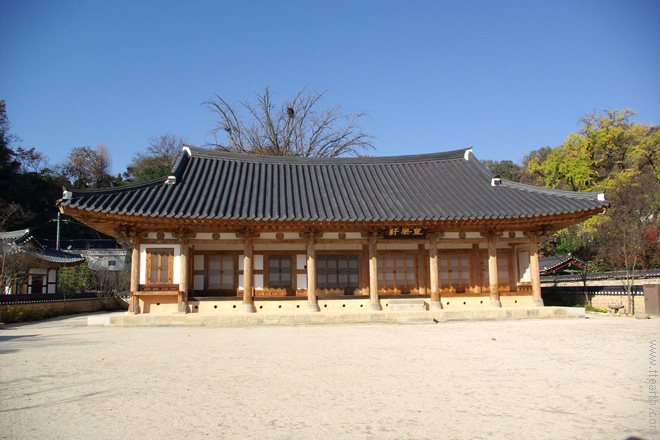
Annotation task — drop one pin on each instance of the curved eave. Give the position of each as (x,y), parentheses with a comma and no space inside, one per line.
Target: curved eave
(45,260)
(108,223)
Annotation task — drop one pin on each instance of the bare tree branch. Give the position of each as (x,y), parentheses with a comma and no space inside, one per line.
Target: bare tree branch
(298,127)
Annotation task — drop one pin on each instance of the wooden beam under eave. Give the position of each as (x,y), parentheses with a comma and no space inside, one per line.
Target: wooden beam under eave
(106,223)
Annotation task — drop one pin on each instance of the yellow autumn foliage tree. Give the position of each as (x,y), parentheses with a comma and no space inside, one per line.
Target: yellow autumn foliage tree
(611,153)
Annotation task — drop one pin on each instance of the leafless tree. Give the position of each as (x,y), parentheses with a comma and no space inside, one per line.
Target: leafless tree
(31,160)
(11,214)
(158,159)
(630,222)
(108,284)
(88,168)
(303,127)
(15,271)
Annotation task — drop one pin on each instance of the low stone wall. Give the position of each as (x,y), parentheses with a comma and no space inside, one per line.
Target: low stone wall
(557,297)
(603,301)
(36,311)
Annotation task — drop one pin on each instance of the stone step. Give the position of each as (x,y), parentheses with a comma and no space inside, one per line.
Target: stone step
(406,307)
(424,319)
(406,301)
(407,304)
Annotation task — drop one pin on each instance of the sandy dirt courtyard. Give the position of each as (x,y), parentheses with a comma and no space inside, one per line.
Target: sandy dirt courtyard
(542,379)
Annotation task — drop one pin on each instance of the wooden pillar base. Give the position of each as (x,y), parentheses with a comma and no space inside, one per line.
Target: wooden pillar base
(135,305)
(435,305)
(376,306)
(537,302)
(495,303)
(313,308)
(248,308)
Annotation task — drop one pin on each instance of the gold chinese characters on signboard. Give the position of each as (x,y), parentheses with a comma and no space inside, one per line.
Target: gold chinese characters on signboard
(405,232)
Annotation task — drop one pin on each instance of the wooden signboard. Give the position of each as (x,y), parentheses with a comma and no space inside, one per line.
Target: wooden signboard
(404,232)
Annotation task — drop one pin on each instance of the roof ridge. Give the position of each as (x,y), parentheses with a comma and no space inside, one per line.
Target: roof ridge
(554,191)
(360,160)
(130,186)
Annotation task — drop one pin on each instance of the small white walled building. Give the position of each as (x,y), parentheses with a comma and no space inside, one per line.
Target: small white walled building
(100,254)
(28,267)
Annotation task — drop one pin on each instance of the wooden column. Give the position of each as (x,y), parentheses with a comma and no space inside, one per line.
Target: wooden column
(475,269)
(183,276)
(514,266)
(433,272)
(537,300)
(312,304)
(422,271)
(248,276)
(492,272)
(373,274)
(134,306)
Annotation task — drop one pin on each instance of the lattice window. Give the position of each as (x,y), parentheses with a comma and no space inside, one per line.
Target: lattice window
(159,266)
(338,271)
(221,272)
(396,271)
(279,271)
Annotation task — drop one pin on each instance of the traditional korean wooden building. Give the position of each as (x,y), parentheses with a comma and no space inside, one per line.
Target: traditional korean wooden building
(566,264)
(29,267)
(233,232)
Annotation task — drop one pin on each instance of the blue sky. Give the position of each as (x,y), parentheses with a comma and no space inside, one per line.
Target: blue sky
(503,77)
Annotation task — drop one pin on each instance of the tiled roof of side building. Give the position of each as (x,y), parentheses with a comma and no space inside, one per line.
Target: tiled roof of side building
(22,241)
(55,256)
(452,185)
(552,263)
(16,237)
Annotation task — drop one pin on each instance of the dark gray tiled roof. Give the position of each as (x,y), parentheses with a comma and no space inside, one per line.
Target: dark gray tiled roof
(55,256)
(22,241)
(551,264)
(15,237)
(84,244)
(433,187)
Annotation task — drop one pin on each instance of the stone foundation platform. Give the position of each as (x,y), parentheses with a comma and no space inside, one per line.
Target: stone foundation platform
(321,318)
